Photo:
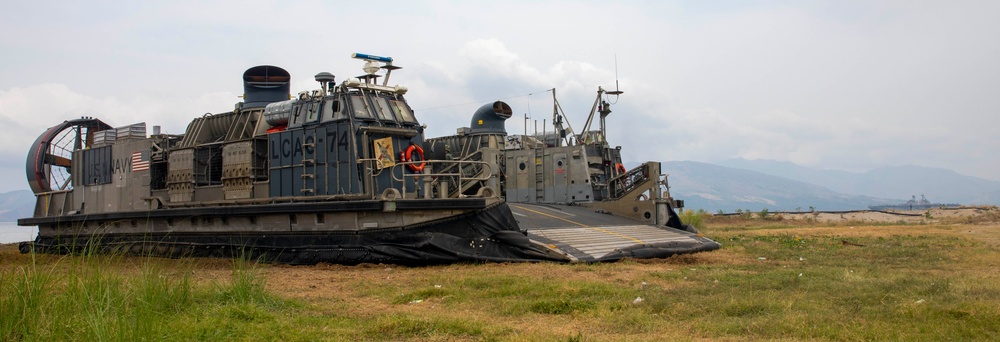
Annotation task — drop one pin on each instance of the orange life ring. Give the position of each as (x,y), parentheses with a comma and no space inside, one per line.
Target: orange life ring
(408,156)
(620,168)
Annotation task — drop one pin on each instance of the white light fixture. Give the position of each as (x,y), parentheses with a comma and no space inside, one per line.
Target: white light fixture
(371,67)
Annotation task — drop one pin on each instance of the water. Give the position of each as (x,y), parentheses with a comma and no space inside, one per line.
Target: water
(10,232)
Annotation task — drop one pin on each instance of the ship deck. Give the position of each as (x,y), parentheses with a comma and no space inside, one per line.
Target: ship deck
(583,234)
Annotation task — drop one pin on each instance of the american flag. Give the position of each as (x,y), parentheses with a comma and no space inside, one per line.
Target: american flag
(140,161)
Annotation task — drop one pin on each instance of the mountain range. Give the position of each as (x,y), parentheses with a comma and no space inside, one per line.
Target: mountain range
(16,204)
(741,184)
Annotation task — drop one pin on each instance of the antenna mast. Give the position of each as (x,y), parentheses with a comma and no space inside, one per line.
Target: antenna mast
(601,106)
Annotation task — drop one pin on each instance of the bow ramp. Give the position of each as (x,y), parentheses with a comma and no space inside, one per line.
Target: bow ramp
(583,234)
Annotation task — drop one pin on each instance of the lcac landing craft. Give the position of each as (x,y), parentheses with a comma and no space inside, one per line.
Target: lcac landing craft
(343,174)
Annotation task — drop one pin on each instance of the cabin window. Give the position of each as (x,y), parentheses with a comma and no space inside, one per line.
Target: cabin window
(296,118)
(382,108)
(311,111)
(403,111)
(331,111)
(360,107)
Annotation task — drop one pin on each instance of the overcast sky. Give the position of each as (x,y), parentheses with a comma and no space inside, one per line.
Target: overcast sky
(849,85)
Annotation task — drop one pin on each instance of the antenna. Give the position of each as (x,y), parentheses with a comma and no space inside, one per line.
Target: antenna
(616,91)
(372,66)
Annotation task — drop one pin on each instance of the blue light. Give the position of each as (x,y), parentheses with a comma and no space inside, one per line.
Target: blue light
(372,57)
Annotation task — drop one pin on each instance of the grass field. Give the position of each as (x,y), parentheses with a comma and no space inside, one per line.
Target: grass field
(773,279)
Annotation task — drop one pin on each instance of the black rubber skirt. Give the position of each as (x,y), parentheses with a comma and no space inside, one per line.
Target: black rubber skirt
(489,234)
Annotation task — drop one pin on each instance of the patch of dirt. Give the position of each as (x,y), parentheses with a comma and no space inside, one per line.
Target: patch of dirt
(989,234)
(936,215)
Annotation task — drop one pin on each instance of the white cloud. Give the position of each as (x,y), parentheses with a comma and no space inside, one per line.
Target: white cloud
(27,112)
(827,84)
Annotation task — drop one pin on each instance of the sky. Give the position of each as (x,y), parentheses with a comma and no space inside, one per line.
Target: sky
(844,85)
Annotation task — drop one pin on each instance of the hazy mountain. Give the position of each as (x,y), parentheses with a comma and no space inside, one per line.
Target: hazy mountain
(992,198)
(900,182)
(16,204)
(713,188)
(832,179)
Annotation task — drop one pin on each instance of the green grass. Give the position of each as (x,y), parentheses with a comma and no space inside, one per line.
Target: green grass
(820,289)
(22,293)
(772,280)
(110,297)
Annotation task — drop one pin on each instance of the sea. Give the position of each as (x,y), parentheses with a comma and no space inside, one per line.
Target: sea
(10,232)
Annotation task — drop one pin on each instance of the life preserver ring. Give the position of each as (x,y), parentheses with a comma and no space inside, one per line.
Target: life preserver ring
(408,156)
(620,168)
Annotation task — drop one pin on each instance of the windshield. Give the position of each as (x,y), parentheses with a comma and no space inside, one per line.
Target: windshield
(360,107)
(403,111)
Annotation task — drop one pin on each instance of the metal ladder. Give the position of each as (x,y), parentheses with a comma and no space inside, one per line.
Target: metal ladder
(308,168)
(539,175)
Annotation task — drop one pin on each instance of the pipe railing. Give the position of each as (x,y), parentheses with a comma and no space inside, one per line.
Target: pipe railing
(428,176)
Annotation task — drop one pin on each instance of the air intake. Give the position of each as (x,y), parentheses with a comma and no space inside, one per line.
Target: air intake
(264,84)
(490,117)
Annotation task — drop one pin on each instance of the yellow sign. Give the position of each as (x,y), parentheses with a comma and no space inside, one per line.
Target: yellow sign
(480,122)
(383,153)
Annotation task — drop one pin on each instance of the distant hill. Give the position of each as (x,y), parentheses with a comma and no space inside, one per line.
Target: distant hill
(713,188)
(900,182)
(16,204)
(991,198)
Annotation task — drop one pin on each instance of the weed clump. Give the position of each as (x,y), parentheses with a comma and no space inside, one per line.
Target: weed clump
(696,219)
(101,296)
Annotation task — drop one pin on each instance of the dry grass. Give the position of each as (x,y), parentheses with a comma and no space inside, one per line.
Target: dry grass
(679,285)
(773,279)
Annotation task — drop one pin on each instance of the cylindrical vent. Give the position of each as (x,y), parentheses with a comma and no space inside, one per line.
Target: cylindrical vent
(264,84)
(277,113)
(490,117)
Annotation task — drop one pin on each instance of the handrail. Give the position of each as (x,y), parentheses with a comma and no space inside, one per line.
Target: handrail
(475,156)
(629,181)
(460,176)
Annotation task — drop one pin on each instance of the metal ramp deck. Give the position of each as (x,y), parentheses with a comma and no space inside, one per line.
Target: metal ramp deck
(583,234)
